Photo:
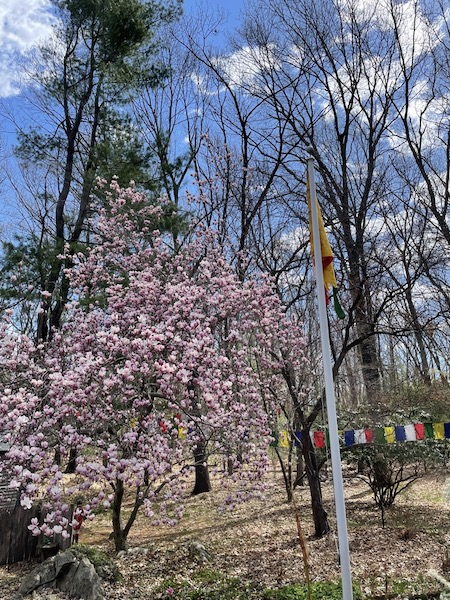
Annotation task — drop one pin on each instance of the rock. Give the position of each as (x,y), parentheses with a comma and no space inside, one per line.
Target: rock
(106,568)
(136,551)
(197,551)
(46,573)
(65,572)
(82,581)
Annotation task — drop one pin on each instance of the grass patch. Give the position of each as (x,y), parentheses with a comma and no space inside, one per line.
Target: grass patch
(208,584)
(390,588)
(320,590)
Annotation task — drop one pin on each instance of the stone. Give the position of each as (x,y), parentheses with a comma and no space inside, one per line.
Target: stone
(65,572)
(135,551)
(197,551)
(82,581)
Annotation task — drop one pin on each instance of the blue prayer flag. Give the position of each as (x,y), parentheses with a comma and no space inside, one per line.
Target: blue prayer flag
(400,433)
(349,437)
(297,435)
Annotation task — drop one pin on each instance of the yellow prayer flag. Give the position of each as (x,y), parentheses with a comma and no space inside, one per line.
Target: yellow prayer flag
(182,433)
(329,277)
(389,434)
(284,439)
(438,429)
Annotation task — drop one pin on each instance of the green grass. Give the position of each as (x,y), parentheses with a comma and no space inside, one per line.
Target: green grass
(319,591)
(208,584)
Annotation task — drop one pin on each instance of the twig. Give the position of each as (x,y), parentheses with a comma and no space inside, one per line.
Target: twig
(304,547)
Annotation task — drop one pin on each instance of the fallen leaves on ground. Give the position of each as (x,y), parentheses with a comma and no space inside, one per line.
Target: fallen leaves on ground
(258,542)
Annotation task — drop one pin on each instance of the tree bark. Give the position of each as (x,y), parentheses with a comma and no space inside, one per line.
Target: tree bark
(320,516)
(120,539)
(72,462)
(202,481)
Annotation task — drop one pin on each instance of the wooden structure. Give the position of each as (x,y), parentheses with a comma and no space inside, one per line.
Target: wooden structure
(16,540)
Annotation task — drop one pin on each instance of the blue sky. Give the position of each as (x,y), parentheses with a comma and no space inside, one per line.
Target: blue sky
(231,8)
(26,22)
(23,23)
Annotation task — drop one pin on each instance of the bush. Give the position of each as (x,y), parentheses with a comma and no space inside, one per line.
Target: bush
(390,469)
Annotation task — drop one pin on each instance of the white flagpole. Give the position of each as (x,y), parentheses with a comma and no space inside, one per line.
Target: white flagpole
(338,485)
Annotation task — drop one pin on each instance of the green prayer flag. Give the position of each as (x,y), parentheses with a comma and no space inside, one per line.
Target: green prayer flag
(429,432)
(378,437)
(337,305)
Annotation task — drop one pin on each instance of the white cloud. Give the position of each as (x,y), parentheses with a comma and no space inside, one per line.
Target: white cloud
(22,25)
(247,63)
(243,66)
(413,27)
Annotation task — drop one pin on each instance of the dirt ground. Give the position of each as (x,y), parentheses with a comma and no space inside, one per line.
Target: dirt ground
(258,542)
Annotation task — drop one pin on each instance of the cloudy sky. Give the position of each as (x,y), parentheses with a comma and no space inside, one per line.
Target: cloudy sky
(23,24)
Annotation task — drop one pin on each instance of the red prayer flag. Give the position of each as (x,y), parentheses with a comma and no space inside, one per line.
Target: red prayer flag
(319,439)
(369,435)
(420,431)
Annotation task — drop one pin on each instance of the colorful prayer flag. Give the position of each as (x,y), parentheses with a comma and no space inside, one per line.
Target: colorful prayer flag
(420,431)
(349,437)
(389,434)
(297,438)
(369,435)
(438,429)
(400,434)
(429,431)
(319,439)
(329,277)
(360,436)
(410,433)
(284,439)
(379,435)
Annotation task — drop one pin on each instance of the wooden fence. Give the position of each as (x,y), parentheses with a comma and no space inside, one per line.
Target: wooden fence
(16,540)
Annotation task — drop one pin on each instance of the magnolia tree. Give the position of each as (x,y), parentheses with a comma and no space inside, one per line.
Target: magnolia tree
(152,375)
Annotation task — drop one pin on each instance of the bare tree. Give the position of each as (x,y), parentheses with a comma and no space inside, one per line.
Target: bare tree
(80,77)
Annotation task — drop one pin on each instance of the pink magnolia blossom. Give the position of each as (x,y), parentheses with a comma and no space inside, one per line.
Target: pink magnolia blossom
(158,354)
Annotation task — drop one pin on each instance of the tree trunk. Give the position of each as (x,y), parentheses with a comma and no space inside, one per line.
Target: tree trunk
(120,538)
(320,517)
(72,462)
(202,481)
(364,321)
(300,480)
(418,333)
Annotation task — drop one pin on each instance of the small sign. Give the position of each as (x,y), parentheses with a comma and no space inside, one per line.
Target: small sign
(4,445)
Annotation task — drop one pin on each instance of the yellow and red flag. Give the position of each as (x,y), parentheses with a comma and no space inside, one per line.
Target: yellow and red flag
(329,277)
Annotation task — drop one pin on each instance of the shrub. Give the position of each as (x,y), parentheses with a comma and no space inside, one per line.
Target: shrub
(390,469)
